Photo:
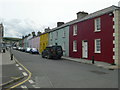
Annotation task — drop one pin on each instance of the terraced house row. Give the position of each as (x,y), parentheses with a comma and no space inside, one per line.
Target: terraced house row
(95,35)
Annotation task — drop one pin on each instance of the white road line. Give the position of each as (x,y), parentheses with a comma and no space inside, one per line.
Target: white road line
(35,86)
(20,68)
(31,81)
(23,86)
(25,74)
(17,65)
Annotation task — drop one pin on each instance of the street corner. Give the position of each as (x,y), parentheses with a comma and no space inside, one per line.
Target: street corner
(11,82)
(10,74)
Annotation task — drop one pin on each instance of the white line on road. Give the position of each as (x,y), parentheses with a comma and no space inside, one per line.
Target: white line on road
(20,68)
(25,74)
(31,81)
(35,86)
(17,65)
(23,86)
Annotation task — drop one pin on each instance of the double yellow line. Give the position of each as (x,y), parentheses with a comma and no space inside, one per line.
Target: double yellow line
(29,76)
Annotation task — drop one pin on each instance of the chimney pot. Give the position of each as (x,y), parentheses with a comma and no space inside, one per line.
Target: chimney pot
(81,14)
(59,23)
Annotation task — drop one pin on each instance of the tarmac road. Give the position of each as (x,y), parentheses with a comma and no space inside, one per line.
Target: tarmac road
(48,73)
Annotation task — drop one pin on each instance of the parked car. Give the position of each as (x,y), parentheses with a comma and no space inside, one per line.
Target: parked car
(27,50)
(34,51)
(22,49)
(14,48)
(51,52)
(19,48)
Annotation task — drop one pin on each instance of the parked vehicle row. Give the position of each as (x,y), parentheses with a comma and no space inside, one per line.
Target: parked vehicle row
(51,52)
(27,50)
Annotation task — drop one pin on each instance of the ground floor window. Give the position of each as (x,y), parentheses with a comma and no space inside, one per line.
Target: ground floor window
(97,46)
(74,46)
(63,46)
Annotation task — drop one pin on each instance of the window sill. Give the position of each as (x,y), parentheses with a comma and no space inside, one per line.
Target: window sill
(63,50)
(97,30)
(74,50)
(75,35)
(97,52)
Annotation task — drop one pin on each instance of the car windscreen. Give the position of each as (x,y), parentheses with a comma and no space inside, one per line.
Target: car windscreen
(28,48)
(34,49)
(59,48)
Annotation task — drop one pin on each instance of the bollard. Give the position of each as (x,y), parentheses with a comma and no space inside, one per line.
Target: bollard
(11,56)
(93,60)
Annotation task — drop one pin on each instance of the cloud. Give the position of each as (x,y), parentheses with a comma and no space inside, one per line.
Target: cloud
(19,27)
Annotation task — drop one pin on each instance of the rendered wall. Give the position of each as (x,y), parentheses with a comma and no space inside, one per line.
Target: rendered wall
(86,32)
(61,39)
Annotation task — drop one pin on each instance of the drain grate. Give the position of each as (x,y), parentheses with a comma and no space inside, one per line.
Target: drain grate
(98,72)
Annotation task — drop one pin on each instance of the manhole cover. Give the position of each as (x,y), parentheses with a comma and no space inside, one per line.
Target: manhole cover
(98,72)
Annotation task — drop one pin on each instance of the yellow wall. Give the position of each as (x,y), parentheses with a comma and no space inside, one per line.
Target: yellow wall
(43,41)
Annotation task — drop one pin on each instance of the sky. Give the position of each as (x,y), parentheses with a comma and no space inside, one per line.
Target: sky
(21,17)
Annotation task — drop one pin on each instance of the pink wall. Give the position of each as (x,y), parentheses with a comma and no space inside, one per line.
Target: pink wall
(35,42)
(86,32)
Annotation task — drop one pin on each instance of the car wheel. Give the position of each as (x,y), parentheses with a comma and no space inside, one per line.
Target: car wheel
(43,56)
(59,57)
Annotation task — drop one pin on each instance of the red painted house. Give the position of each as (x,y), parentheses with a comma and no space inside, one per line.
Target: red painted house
(96,35)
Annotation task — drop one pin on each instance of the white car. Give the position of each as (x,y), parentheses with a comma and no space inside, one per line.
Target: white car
(28,50)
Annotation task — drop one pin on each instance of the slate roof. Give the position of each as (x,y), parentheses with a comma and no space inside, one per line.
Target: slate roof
(89,16)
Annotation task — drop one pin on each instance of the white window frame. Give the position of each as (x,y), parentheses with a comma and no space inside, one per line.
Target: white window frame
(74,46)
(75,30)
(51,36)
(63,46)
(56,35)
(64,33)
(96,47)
(97,22)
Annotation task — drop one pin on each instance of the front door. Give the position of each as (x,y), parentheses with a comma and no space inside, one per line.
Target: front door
(84,49)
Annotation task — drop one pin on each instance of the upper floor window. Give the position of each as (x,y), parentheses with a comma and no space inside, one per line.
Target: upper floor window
(74,30)
(97,46)
(56,35)
(51,36)
(97,24)
(64,33)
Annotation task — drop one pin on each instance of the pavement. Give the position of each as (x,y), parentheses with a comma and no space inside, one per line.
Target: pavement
(9,73)
(96,63)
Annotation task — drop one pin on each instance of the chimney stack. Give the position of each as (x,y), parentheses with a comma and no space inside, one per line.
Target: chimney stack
(82,14)
(38,33)
(33,33)
(59,23)
(47,29)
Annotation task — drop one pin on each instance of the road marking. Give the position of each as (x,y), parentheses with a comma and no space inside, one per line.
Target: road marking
(24,73)
(23,86)
(31,81)
(35,86)
(17,65)
(29,75)
(20,68)
(15,77)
